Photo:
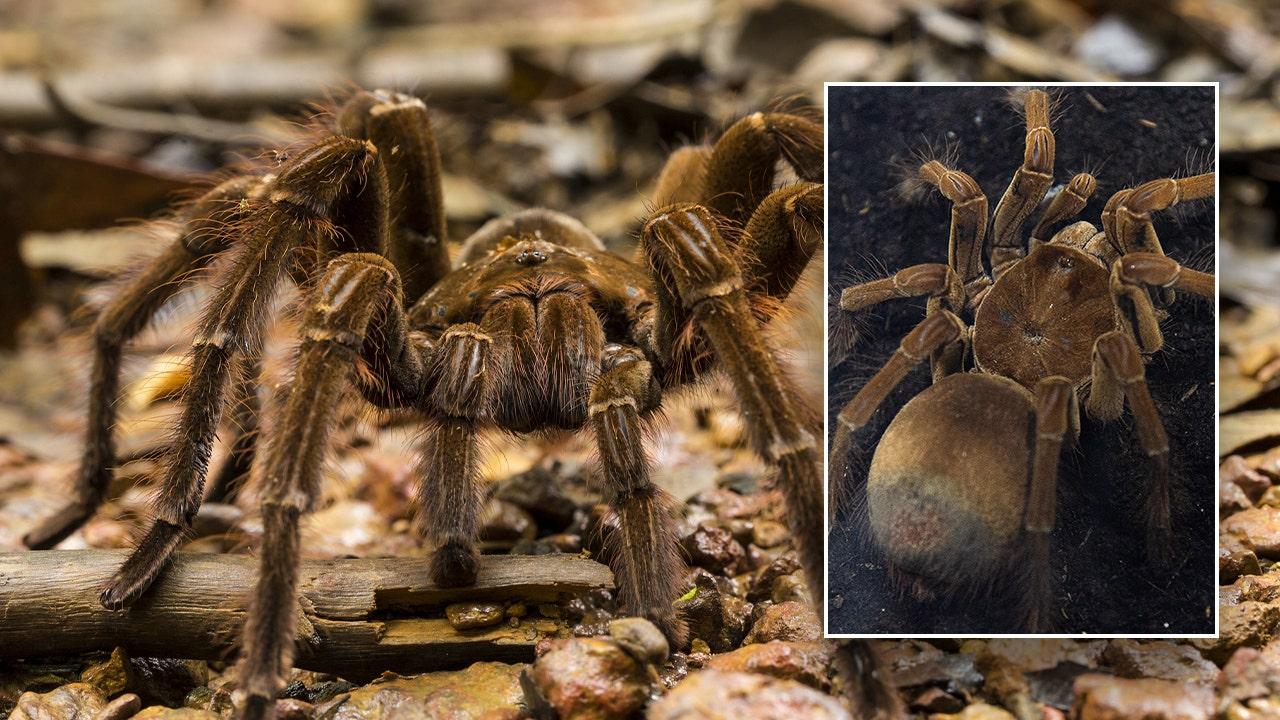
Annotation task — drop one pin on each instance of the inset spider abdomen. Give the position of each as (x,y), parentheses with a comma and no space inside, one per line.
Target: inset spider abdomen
(945,493)
(1042,317)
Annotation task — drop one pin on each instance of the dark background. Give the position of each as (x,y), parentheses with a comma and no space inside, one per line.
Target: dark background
(1102,582)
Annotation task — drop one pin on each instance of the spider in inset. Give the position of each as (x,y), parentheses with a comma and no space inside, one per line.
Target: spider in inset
(533,326)
(1074,310)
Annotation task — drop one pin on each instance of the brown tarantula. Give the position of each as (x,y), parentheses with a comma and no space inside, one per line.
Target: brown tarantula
(1071,310)
(533,326)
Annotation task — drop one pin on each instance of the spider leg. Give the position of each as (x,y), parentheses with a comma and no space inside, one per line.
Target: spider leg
(295,212)
(873,696)
(400,125)
(939,283)
(935,332)
(225,485)
(683,176)
(968,222)
(1064,206)
(1057,414)
(357,292)
(646,559)
(1135,277)
(1127,216)
(451,496)
(122,319)
(741,169)
(1118,374)
(1027,188)
(781,237)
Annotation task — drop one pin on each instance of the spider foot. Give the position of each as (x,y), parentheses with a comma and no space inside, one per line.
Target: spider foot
(256,707)
(142,568)
(57,527)
(454,565)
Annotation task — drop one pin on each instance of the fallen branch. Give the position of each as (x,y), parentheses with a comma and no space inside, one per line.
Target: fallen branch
(366,616)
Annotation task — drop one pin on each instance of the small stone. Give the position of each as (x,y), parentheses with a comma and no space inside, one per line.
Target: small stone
(1163,660)
(1031,655)
(1114,45)
(1232,564)
(506,522)
(978,711)
(717,695)
(804,662)
(718,618)
(539,492)
(714,549)
(587,679)
(762,581)
(465,616)
(110,676)
(1246,624)
(1251,675)
(641,638)
(293,709)
(791,620)
(1103,697)
(160,712)
(1231,499)
(570,543)
(165,681)
(488,690)
(936,700)
(1270,498)
(125,706)
(1259,528)
(68,702)
(517,610)
(1235,471)
(768,534)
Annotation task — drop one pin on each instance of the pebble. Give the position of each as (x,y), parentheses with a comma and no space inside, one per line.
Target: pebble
(1246,624)
(161,712)
(506,522)
(786,621)
(1231,499)
(714,549)
(586,679)
(1103,697)
(1159,659)
(768,533)
(1259,528)
(1251,675)
(465,616)
(718,695)
(75,701)
(717,618)
(488,690)
(1113,45)
(125,706)
(539,492)
(1235,471)
(804,662)
(641,638)
(936,700)
(1031,655)
(978,711)
(1232,564)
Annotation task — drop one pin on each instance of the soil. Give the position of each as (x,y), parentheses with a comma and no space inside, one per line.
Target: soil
(1103,582)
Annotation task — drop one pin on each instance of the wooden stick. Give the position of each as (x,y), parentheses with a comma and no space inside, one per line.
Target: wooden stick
(366,615)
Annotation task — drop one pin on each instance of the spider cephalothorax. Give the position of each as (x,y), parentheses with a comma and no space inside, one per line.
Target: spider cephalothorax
(534,326)
(962,485)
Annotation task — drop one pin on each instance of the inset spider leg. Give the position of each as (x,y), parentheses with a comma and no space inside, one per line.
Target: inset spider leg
(743,162)
(877,699)
(339,317)
(399,126)
(684,247)
(936,281)
(935,332)
(968,222)
(450,495)
(1064,206)
(1057,414)
(1131,229)
(294,212)
(1118,374)
(782,235)
(1027,188)
(123,318)
(646,557)
(1134,279)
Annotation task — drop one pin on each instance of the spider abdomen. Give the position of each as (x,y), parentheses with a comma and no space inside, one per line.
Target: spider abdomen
(948,481)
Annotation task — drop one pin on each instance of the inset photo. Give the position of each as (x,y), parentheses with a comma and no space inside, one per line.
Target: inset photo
(1021,360)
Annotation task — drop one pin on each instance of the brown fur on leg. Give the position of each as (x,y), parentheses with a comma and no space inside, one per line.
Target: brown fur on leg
(869,686)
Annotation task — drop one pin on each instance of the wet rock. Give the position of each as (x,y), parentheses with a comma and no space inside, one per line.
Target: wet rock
(1235,471)
(1250,675)
(506,523)
(1233,564)
(1031,655)
(716,617)
(160,712)
(915,663)
(978,711)
(487,690)
(162,681)
(75,701)
(293,709)
(768,534)
(1102,697)
(641,638)
(1259,528)
(1231,499)
(465,616)
(1245,624)
(586,679)
(539,492)
(786,621)
(936,700)
(125,706)
(717,695)
(110,676)
(1160,659)
(714,549)
(804,662)
(1260,588)
(762,580)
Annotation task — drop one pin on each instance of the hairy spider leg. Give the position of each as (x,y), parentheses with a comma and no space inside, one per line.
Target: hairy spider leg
(1057,415)
(294,213)
(1127,216)
(1027,188)
(874,697)
(1134,279)
(645,554)
(357,292)
(968,224)
(1064,206)
(199,240)
(742,166)
(1119,375)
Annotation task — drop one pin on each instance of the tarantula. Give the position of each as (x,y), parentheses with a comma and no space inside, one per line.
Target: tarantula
(1074,309)
(533,326)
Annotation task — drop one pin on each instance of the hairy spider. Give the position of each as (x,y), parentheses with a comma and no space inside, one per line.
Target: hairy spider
(534,326)
(1072,311)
